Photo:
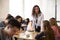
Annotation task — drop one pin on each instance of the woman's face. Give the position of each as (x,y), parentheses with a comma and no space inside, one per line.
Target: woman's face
(36,10)
(19,20)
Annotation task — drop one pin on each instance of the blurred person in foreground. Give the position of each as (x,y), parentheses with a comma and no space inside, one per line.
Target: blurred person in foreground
(11,28)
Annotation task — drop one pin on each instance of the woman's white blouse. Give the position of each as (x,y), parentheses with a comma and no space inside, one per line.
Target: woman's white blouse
(39,22)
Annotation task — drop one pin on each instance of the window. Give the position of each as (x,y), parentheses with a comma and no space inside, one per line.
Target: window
(24,7)
(16,7)
(58,10)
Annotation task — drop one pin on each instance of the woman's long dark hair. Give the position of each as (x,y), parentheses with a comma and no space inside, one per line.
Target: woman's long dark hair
(53,22)
(33,10)
(46,25)
(48,30)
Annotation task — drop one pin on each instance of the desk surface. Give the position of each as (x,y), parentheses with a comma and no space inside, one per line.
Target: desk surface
(26,35)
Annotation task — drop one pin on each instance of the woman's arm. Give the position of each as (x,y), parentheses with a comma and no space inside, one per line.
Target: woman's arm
(29,27)
(42,19)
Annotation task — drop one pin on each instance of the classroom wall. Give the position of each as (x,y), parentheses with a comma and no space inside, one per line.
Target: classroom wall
(0,7)
(4,8)
(58,10)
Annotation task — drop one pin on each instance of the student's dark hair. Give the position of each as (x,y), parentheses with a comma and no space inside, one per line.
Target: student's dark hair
(53,22)
(14,23)
(48,30)
(9,16)
(33,10)
(17,17)
(28,20)
(46,24)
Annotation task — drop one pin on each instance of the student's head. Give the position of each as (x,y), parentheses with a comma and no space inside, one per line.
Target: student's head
(36,10)
(27,20)
(53,22)
(18,18)
(12,27)
(46,25)
(48,30)
(9,16)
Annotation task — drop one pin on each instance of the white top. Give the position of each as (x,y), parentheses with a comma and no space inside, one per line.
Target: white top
(39,22)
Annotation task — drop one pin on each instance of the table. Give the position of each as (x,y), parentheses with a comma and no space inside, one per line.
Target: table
(26,35)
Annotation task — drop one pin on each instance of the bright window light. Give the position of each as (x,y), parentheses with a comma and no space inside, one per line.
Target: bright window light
(16,7)
(24,8)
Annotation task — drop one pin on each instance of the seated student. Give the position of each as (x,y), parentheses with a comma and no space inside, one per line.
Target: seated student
(11,28)
(4,23)
(55,28)
(48,32)
(27,20)
(18,18)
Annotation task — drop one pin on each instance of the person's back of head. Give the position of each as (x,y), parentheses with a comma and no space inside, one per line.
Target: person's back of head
(48,31)
(9,16)
(46,25)
(14,23)
(17,17)
(53,23)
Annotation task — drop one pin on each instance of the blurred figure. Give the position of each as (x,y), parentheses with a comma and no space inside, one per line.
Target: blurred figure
(19,19)
(37,19)
(48,32)
(11,28)
(55,28)
(25,23)
(27,20)
(4,23)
